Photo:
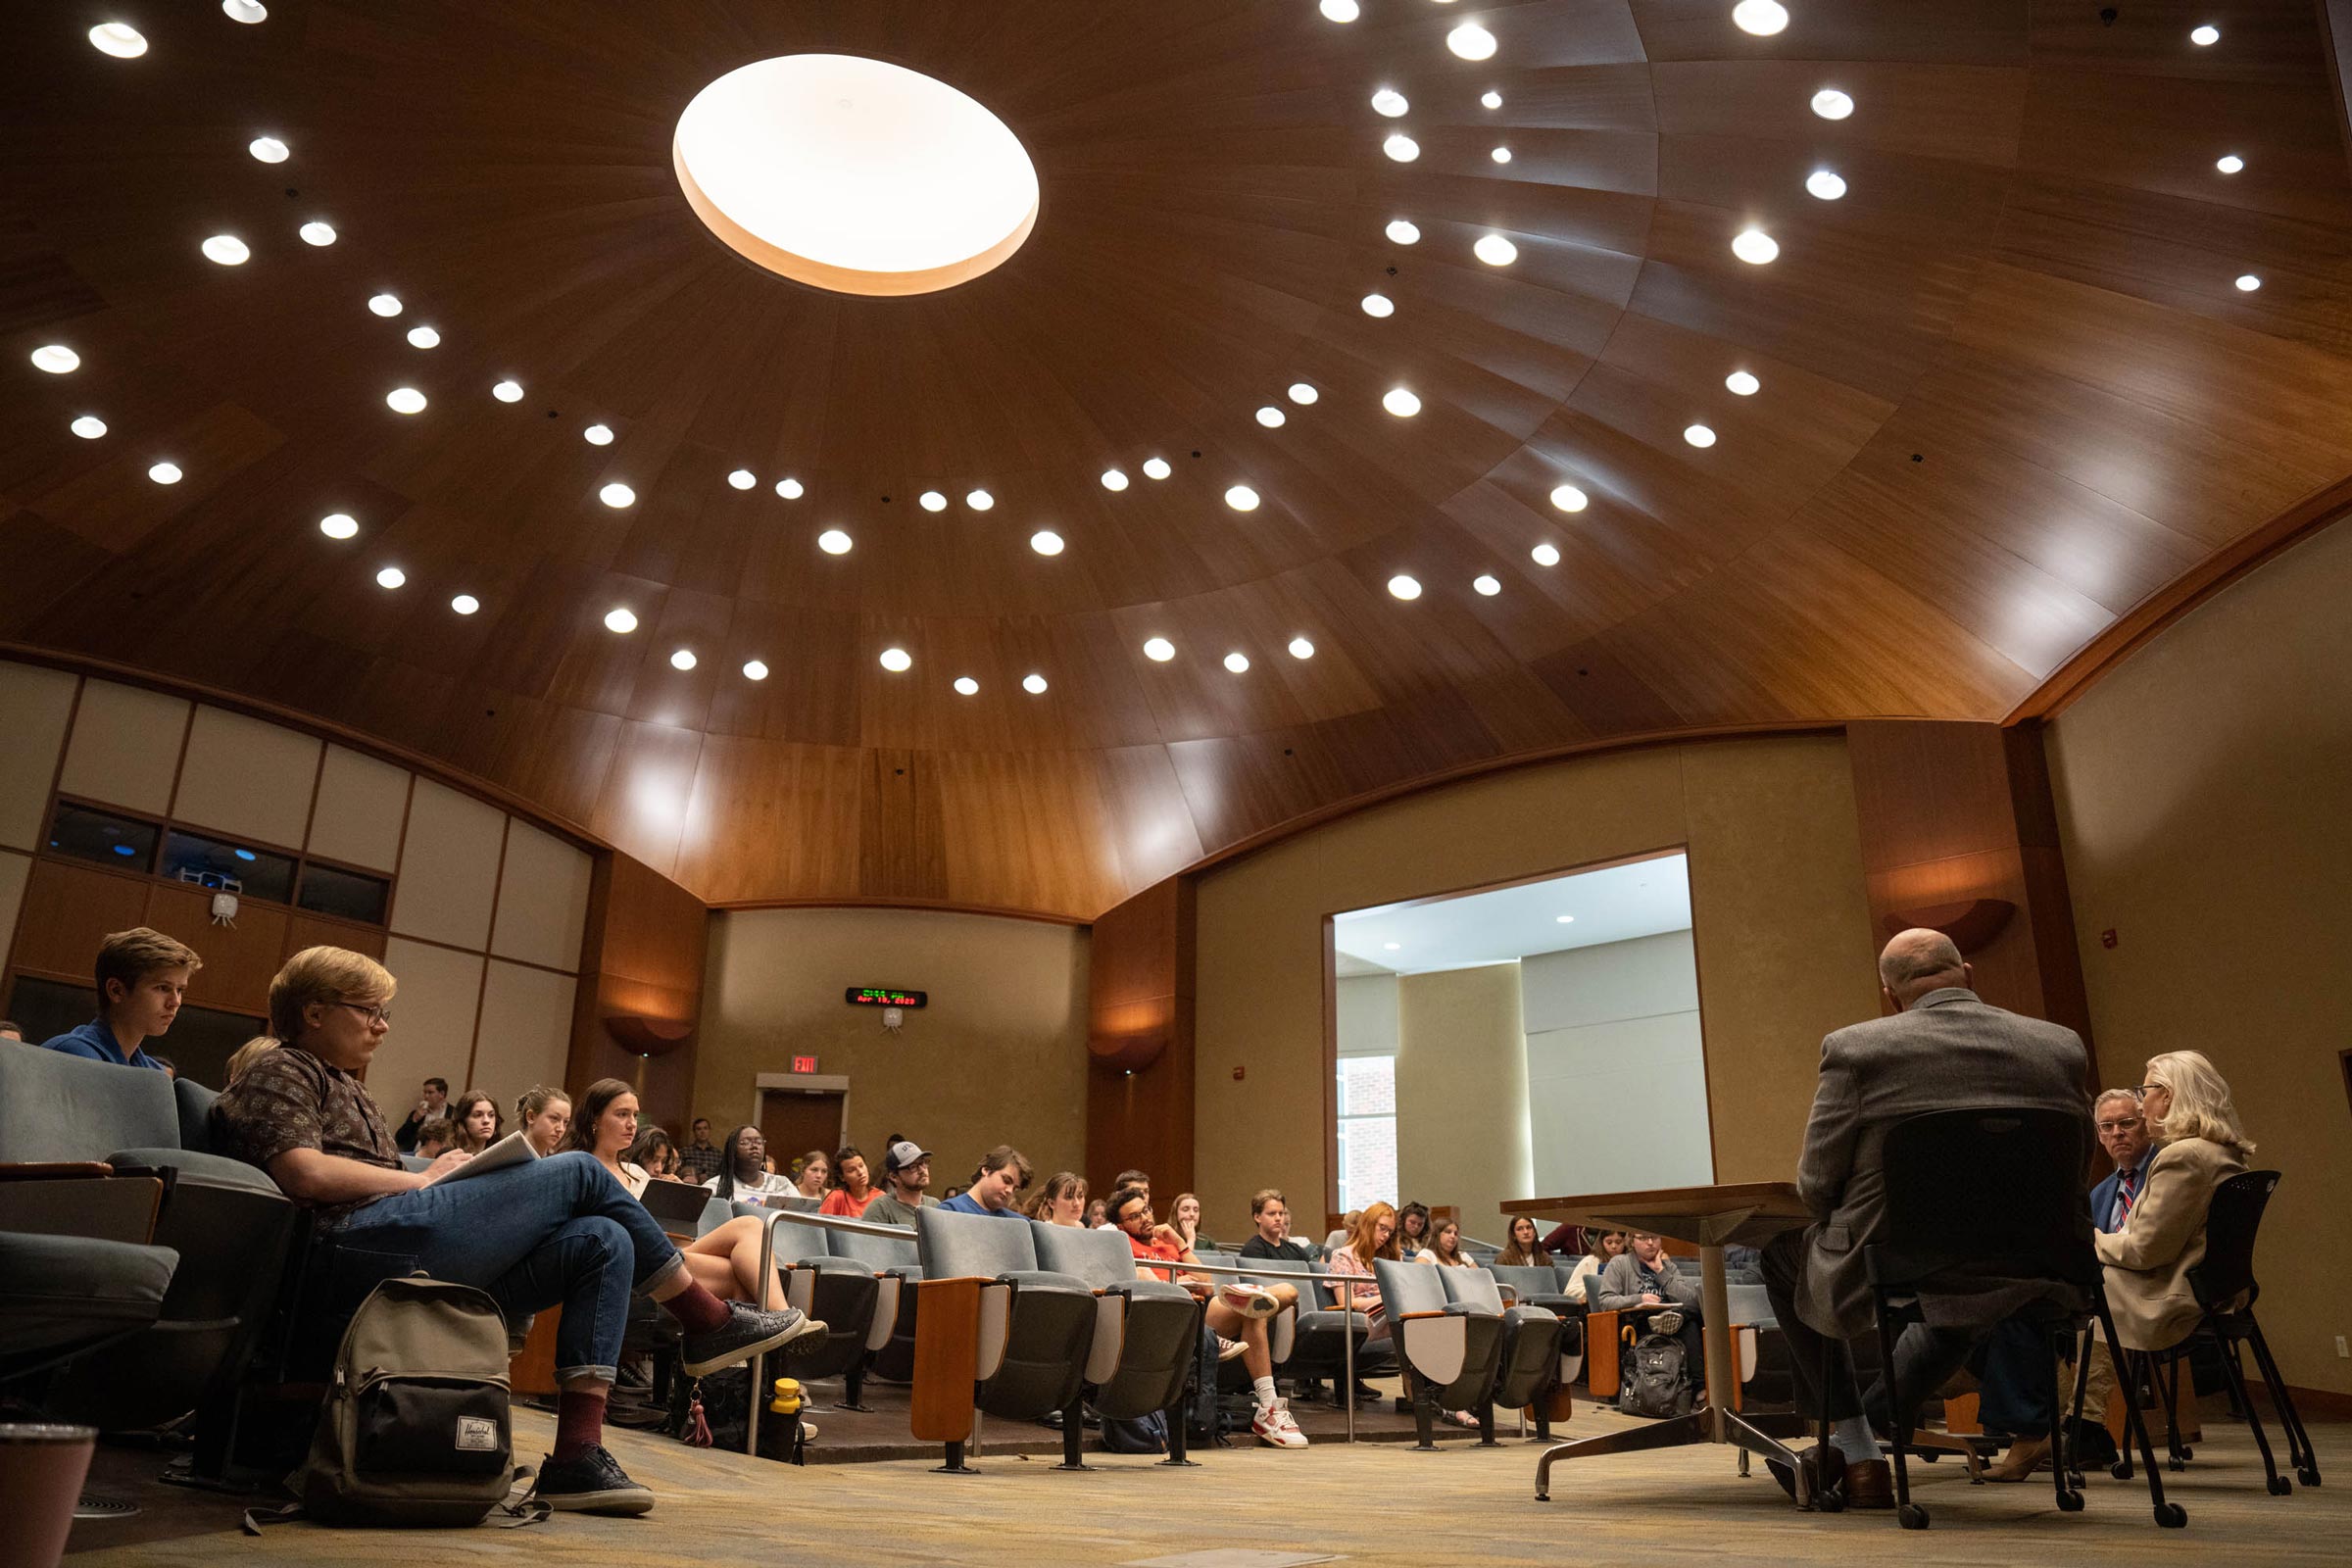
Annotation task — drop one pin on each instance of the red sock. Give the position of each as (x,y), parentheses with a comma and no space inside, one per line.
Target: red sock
(579,1421)
(697,1310)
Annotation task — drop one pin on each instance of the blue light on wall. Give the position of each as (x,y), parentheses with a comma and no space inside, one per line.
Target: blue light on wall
(124,849)
(244,854)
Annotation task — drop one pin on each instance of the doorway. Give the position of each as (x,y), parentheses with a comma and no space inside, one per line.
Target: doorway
(794,1120)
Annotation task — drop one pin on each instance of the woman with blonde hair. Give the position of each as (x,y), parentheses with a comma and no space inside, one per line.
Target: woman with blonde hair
(2202,1145)
(545,1116)
(242,1057)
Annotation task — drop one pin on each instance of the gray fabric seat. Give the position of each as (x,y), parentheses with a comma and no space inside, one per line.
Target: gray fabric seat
(840,1293)
(1530,1363)
(1037,1326)
(64,1293)
(897,1264)
(1452,1350)
(1146,1332)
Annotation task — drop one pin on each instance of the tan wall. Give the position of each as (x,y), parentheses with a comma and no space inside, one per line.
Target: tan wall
(1785,947)
(1461,1092)
(2204,793)
(998,1057)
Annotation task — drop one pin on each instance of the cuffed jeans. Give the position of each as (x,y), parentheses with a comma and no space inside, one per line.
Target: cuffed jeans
(559,1230)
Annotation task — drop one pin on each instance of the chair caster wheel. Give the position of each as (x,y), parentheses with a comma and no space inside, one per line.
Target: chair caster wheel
(2176,1464)
(2120,1469)
(2070,1502)
(2187,1452)
(2170,1515)
(2280,1486)
(2309,1475)
(1912,1516)
(1927,1456)
(1543,1497)
(2073,1479)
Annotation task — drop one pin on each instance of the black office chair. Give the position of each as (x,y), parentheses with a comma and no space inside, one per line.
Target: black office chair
(1991,1191)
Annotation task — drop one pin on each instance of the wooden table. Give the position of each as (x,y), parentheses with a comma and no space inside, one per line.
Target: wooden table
(1749,1213)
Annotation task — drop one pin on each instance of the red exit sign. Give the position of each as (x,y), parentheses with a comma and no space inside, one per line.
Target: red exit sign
(804,1064)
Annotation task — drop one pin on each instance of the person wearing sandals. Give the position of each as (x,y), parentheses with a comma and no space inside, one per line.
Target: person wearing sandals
(1445,1250)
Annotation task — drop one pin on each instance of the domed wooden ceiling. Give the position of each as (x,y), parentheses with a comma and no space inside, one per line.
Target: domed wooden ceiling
(2008,390)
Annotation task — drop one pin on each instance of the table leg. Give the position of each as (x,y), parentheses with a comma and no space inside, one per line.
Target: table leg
(1723,1376)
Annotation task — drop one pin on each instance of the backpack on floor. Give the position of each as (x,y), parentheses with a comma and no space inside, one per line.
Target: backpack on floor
(1656,1382)
(416,1428)
(1143,1434)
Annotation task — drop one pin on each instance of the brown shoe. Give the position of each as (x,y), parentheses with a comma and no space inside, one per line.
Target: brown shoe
(1870,1485)
(2025,1456)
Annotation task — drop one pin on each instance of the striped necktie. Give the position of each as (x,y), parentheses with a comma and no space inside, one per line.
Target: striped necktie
(2122,1198)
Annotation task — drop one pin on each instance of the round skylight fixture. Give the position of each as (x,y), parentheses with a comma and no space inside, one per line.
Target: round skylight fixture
(1402,148)
(1115,479)
(1405,587)
(1389,102)
(1403,232)
(339,525)
(2206,36)
(1046,542)
(833,541)
(465,604)
(226,249)
(1763,17)
(165,473)
(855,175)
(1754,247)
(1743,384)
(1339,10)
(1302,393)
(120,39)
(979,500)
(245,11)
(1564,919)
(1494,250)
(1379,307)
(598,435)
(1490,99)
(1699,435)
(897,660)
(1471,42)
(683,658)
(2229,163)
(754,669)
(790,489)
(508,391)
(1831,103)
(1502,154)
(966,686)
(1403,402)
(1156,469)
(2247,282)
(268,149)
(56,359)
(1158,650)
(424,337)
(1568,498)
(1241,497)
(1826,184)
(1392,947)
(1238,663)
(617,496)
(741,479)
(1487,584)
(932,501)
(405,400)
(386,305)
(623,622)
(1545,555)
(391,577)
(1300,648)
(315,232)
(89,427)
(1034,684)
(1271,417)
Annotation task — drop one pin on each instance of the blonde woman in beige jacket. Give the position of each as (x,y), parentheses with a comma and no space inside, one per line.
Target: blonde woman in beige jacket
(2200,1145)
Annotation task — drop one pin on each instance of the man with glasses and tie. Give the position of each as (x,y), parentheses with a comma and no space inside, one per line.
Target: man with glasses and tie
(2124,1133)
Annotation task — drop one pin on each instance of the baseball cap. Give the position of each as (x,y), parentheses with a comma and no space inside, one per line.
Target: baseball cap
(902,1154)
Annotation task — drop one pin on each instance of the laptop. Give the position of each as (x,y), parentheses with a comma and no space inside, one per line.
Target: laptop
(675,1203)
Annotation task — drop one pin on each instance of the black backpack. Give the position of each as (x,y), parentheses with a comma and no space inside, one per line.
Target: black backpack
(1656,1382)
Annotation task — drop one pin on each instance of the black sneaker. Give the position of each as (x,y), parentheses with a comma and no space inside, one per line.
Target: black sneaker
(747,1332)
(593,1482)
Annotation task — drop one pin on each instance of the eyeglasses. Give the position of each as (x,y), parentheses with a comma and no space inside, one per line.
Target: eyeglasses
(379,1016)
(2120,1126)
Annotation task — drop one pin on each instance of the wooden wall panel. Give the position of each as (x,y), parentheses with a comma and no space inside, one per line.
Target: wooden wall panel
(642,956)
(68,909)
(240,959)
(1138,1085)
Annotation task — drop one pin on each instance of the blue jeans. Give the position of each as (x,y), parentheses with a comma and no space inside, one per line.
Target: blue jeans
(557,1230)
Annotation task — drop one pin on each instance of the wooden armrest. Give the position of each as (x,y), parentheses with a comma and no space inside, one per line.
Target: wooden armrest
(1414,1318)
(52,1169)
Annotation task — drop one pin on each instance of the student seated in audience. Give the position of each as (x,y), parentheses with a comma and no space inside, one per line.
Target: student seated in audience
(1605,1247)
(1236,1315)
(1184,1218)
(1270,1212)
(743,1174)
(142,979)
(1345,1233)
(1445,1247)
(1522,1249)
(701,1158)
(242,1057)
(1061,1200)
(1413,1229)
(653,1153)
(854,1189)
(434,1139)
(813,1173)
(545,1116)
(432,1103)
(1372,1237)
(1643,1279)
(1003,1172)
(1565,1241)
(1125,1179)
(906,1172)
(534,1236)
(479,1121)
(1098,1213)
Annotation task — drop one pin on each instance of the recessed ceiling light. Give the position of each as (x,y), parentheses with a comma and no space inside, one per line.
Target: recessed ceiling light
(1158,650)
(790,489)
(1034,684)
(598,435)
(1379,307)
(966,686)
(683,658)
(1156,469)
(932,501)
(384,304)
(1392,947)
(1390,102)
(1300,648)
(245,11)
(1502,154)
(1825,184)
(1400,147)
(1405,587)
(897,660)
(1743,384)
(118,39)
(1303,394)
(405,400)
(1488,584)
(1754,247)
(1339,10)
(2206,36)
(56,359)
(623,622)
(2229,163)
(465,604)
(1565,919)
(339,525)
(1046,542)
(1494,250)
(1763,17)
(1471,42)
(1402,402)
(424,337)
(315,232)
(226,249)
(1403,231)
(833,541)
(1831,103)
(390,578)
(1238,663)
(1271,417)
(508,391)
(268,149)
(89,427)
(1115,479)
(1699,435)
(2247,282)
(617,496)
(979,500)
(743,479)
(165,473)
(1241,497)
(754,669)
(1491,100)
(1568,498)
(1545,555)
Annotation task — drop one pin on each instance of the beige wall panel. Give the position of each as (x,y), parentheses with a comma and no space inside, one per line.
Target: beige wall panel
(432,1022)
(125,747)
(541,899)
(2204,794)
(247,778)
(14,869)
(998,1057)
(1461,1093)
(447,868)
(360,805)
(526,1033)
(34,703)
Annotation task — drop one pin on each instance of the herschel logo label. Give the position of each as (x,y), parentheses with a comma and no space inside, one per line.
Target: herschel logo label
(478,1434)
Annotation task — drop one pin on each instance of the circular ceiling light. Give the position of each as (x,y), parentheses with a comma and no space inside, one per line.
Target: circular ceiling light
(465,604)
(897,660)
(226,249)
(790,489)
(1301,393)
(1403,231)
(339,525)
(268,149)
(1158,650)
(2229,163)
(1494,250)
(1826,184)
(1490,99)
(391,577)
(1402,148)
(1241,497)
(118,39)
(89,427)
(405,400)
(1763,17)
(1487,584)
(1379,307)
(315,232)
(1564,919)
(683,658)
(1271,417)
(1389,102)
(386,305)
(754,669)
(1402,402)
(743,479)
(56,359)
(1470,41)
(1115,479)
(598,435)
(245,11)
(2206,36)
(1046,542)
(1568,498)
(1300,648)
(1156,469)
(979,500)
(1754,247)
(1405,587)
(1238,663)
(1545,555)
(1699,435)
(165,473)
(1502,154)
(833,541)
(854,175)
(508,391)
(932,501)
(1392,947)
(424,337)
(966,686)
(1339,10)
(623,622)
(1743,384)
(1831,103)
(2247,282)
(1034,684)
(617,496)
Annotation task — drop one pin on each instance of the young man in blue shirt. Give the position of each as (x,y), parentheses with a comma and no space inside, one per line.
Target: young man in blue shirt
(1003,1172)
(142,979)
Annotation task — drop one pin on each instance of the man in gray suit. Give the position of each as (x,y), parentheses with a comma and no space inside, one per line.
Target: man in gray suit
(1944,1050)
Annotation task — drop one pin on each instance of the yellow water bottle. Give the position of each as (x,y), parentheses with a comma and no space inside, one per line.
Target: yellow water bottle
(787,1399)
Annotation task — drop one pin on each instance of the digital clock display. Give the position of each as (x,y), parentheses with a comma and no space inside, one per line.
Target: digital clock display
(884,997)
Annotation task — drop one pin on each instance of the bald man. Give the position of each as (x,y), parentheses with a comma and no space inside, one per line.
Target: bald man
(1942,1050)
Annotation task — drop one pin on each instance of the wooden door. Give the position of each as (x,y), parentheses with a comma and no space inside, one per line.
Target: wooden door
(797,1120)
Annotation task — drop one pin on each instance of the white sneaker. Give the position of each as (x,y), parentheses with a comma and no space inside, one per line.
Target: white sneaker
(1250,1300)
(1274,1425)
